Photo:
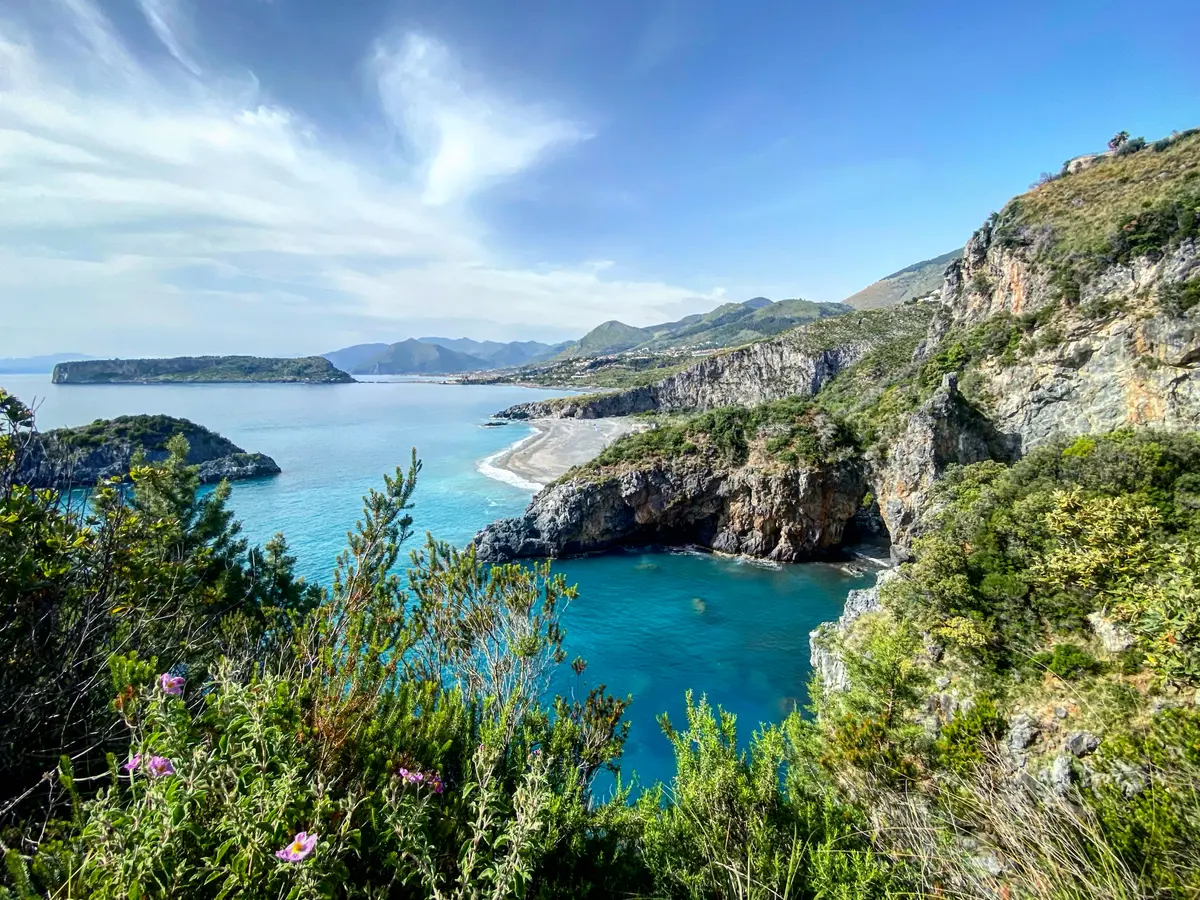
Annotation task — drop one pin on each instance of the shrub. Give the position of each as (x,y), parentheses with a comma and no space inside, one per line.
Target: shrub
(1068,661)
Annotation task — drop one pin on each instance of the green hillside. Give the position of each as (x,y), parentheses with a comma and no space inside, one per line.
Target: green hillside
(729,325)
(916,280)
(412,357)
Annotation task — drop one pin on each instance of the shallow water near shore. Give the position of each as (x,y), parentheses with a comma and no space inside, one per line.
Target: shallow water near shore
(651,625)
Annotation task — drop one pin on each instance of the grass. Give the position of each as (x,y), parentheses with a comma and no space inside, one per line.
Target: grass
(1086,209)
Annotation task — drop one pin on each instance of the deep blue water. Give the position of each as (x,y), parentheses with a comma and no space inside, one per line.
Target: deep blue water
(650,625)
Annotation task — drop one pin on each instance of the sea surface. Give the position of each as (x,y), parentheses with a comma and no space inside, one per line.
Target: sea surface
(649,624)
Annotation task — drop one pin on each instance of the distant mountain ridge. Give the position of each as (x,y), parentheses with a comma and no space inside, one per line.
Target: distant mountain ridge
(35,365)
(438,356)
(918,280)
(730,324)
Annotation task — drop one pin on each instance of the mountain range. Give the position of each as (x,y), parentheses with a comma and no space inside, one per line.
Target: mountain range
(438,356)
(35,365)
(729,325)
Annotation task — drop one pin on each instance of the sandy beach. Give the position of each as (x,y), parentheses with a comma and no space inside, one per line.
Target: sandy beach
(556,446)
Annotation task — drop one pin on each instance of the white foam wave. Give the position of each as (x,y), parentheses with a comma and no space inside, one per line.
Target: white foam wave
(489,468)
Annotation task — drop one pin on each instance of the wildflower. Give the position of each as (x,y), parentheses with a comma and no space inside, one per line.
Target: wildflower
(160,766)
(300,847)
(419,778)
(134,762)
(171,684)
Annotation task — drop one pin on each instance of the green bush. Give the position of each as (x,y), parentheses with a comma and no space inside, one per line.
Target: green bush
(1068,661)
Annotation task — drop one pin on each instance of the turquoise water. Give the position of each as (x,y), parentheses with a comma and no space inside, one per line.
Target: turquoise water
(650,625)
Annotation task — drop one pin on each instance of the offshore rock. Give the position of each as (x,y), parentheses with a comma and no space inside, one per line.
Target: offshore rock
(785,515)
(79,457)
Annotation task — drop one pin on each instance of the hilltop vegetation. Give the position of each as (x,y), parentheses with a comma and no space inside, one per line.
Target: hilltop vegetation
(200,369)
(729,325)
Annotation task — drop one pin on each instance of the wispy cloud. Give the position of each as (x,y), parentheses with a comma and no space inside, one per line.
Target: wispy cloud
(141,213)
(467,136)
(166,18)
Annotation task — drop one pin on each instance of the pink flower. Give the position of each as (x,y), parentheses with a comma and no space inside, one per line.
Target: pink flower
(420,778)
(134,762)
(300,847)
(160,766)
(171,684)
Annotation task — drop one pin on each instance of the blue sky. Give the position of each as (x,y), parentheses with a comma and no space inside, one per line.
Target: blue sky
(290,176)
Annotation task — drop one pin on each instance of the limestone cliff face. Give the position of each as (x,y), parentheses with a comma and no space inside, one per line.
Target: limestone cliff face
(1117,357)
(796,363)
(787,515)
(945,431)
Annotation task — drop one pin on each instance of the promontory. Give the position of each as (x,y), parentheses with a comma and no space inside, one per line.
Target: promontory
(201,369)
(81,456)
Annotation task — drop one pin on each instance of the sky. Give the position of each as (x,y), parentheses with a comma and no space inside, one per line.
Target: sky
(285,177)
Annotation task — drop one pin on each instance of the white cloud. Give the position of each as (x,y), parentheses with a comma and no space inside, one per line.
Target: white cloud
(145,214)
(467,137)
(166,18)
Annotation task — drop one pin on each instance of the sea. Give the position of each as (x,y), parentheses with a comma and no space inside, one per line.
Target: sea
(650,625)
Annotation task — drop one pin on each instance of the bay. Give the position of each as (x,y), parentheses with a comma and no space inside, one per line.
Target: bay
(649,624)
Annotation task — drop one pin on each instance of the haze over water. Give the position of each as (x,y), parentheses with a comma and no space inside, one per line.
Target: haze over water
(653,625)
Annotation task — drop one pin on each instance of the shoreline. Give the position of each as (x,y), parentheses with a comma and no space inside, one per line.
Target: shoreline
(554,447)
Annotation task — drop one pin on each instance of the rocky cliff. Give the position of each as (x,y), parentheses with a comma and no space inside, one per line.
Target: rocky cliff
(1117,355)
(787,514)
(797,363)
(200,369)
(79,457)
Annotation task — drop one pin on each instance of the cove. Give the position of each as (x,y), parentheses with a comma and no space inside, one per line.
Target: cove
(649,624)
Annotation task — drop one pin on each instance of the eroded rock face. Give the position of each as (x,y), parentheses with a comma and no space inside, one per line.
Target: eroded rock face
(786,515)
(1117,358)
(826,660)
(945,431)
(784,366)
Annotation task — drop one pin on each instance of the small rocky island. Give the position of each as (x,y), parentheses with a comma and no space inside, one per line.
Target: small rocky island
(201,370)
(81,456)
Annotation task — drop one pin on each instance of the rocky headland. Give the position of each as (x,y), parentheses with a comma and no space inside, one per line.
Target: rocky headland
(79,457)
(201,370)
(1027,339)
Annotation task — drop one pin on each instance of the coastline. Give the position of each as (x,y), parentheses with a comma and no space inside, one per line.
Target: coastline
(554,447)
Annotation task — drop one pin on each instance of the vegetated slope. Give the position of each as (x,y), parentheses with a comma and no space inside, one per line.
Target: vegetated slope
(82,455)
(918,280)
(728,325)
(797,362)
(609,337)
(200,369)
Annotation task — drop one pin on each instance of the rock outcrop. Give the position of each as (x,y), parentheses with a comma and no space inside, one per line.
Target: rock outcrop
(781,514)
(796,363)
(79,457)
(947,430)
(822,641)
(1114,358)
